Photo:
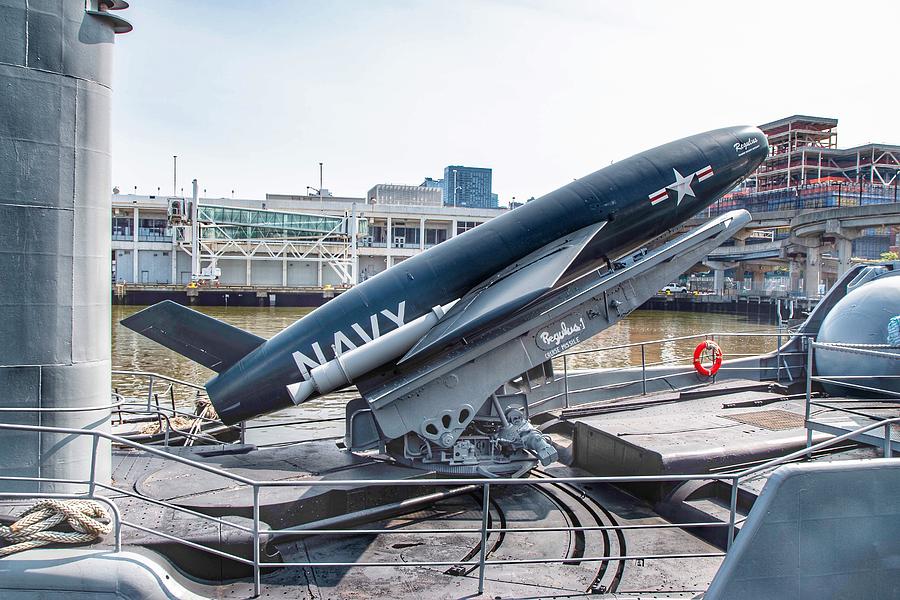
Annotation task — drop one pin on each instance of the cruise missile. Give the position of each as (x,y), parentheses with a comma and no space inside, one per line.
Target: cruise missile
(435,299)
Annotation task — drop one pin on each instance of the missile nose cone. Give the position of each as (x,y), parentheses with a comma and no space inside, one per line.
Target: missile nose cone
(748,131)
(750,142)
(756,132)
(763,140)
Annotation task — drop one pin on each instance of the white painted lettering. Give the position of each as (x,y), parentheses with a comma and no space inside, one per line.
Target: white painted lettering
(362,332)
(340,341)
(744,147)
(304,363)
(557,337)
(399,317)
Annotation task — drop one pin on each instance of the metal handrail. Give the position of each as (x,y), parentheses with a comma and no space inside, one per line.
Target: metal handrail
(684,337)
(775,462)
(865,388)
(170,428)
(151,379)
(118,406)
(257,485)
(257,532)
(644,379)
(842,380)
(60,409)
(778,368)
(350,482)
(154,375)
(152,399)
(162,409)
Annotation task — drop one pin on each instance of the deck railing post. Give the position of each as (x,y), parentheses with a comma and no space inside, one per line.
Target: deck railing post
(95,442)
(149,393)
(887,441)
(732,516)
(566,378)
(485,511)
(643,371)
(158,410)
(256,569)
(778,351)
(809,365)
(117,527)
(119,400)
(243,432)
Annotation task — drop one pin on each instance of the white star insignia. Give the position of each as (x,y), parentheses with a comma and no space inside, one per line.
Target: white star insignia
(682,186)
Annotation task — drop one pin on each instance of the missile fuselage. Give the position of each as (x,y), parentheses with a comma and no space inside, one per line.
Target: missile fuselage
(638,198)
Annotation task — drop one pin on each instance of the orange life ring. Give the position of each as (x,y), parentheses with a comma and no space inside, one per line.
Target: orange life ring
(717,358)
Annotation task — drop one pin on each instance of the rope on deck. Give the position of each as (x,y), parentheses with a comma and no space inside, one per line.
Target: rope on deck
(88,520)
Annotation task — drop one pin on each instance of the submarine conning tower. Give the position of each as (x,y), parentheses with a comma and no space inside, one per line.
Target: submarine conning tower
(55,73)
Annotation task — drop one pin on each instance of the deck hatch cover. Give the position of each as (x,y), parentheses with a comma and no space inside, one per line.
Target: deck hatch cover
(773,420)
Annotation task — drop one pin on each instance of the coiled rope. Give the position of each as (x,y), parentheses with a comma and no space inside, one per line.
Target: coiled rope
(88,519)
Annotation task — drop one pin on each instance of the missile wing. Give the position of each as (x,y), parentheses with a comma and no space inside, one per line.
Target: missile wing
(506,292)
(204,340)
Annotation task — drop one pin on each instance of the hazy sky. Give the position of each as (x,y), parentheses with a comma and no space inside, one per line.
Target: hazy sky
(252,95)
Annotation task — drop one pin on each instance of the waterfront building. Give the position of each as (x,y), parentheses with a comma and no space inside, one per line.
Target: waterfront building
(407,195)
(433,183)
(806,170)
(294,241)
(284,241)
(397,232)
(805,173)
(468,187)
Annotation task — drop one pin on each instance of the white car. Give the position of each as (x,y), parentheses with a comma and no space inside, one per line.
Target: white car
(674,288)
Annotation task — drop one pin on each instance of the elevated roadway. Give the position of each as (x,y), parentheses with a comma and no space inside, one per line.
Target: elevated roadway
(844,220)
(811,232)
(837,227)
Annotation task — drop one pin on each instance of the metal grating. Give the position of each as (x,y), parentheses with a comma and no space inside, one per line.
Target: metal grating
(773,420)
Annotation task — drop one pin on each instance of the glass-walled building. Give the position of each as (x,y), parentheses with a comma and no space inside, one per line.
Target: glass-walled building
(407,195)
(223,222)
(468,187)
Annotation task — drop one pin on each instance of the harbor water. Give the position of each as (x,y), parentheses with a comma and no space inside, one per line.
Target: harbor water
(133,352)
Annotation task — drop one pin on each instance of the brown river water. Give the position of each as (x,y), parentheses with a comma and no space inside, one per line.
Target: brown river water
(133,352)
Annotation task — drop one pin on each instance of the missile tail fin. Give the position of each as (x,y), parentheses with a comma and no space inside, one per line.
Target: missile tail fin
(204,340)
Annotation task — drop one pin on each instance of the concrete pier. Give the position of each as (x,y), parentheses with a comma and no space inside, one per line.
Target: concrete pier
(55,71)
(224,295)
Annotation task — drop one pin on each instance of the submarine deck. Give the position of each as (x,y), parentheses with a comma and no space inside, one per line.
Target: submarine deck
(720,427)
(406,536)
